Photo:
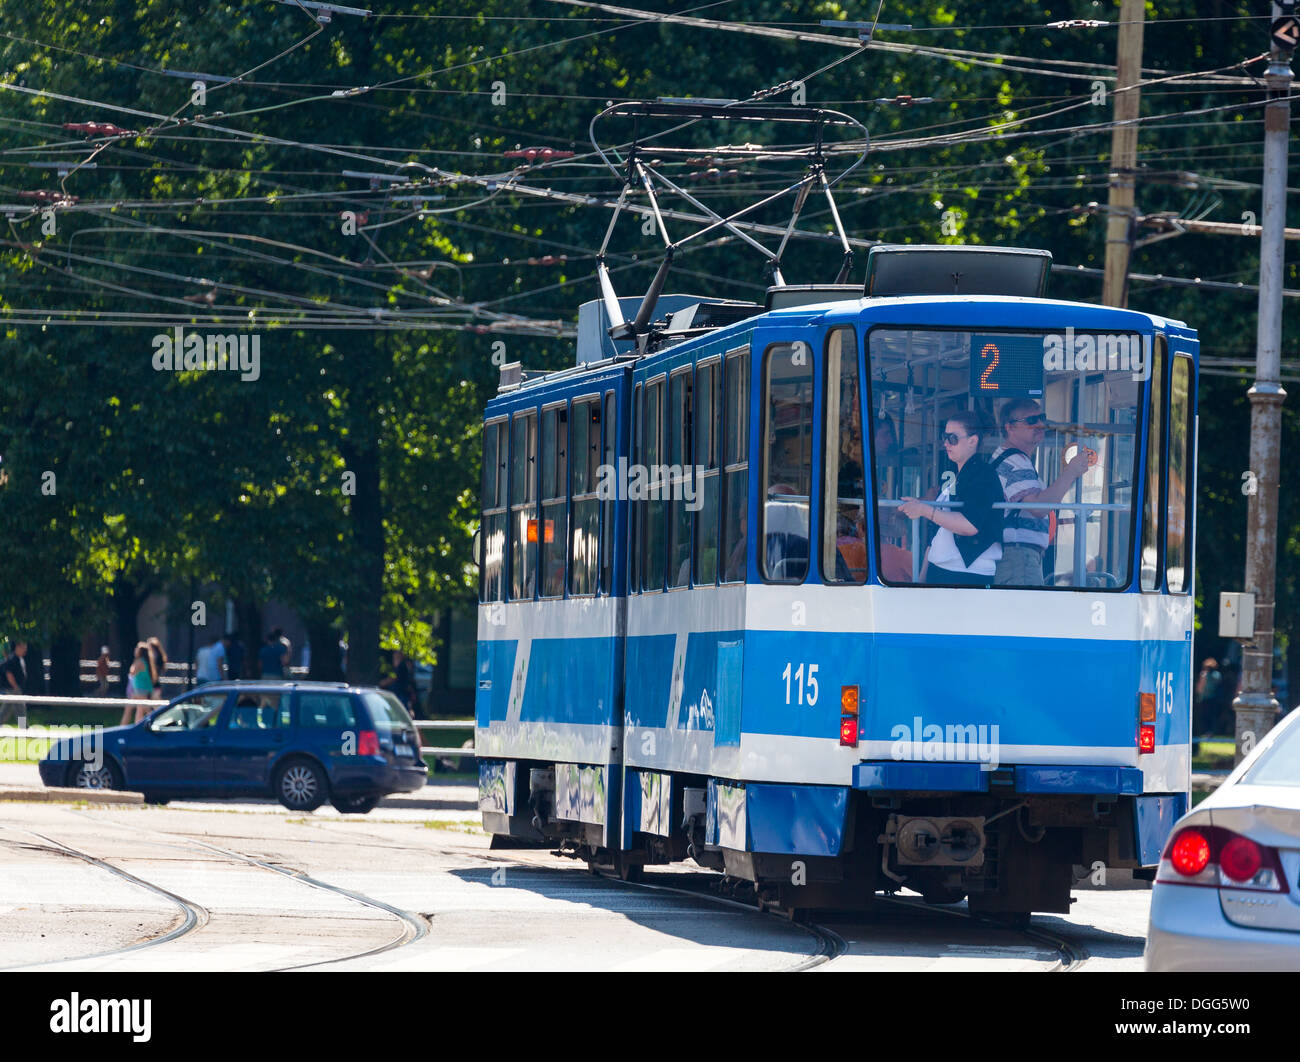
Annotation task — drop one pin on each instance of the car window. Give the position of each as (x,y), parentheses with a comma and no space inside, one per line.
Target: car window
(259,711)
(386,711)
(326,710)
(194,713)
(1280,763)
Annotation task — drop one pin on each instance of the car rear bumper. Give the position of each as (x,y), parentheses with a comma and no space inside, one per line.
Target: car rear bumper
(1188,931)
(379,777)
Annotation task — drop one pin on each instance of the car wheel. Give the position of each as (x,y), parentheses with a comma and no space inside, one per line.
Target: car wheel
(87,776)
(301,786)
(359,804)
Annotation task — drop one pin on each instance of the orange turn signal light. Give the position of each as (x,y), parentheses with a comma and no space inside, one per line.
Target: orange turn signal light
(849,700)
(1146,707)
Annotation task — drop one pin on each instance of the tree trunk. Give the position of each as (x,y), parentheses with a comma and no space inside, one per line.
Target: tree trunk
(248,617)
(361,453)
(368,536)
(65,665)
(326,661)
(126,613)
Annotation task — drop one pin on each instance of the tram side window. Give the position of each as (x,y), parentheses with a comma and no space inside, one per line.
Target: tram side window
(708,413)
(735,469)
(844,544)
(555,502)
(493,526)
(585,538)
(787,462)
(523,506)
(678,482)
(608,426)
(1154,467)
(654,507)
(1178,513)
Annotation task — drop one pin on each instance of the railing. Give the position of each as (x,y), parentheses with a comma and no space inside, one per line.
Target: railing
(118,702)
(1080,573)
(177,675)
(446,724)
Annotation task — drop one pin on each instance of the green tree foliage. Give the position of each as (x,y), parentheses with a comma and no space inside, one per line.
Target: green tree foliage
(234,206)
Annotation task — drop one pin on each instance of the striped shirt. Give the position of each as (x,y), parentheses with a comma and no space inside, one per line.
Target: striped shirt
(1019,477)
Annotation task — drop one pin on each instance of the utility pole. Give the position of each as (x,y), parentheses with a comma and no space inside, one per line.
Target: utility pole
(1123,153)
(1255,707)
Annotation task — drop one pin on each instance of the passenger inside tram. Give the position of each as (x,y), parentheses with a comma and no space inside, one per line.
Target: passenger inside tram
(1025,537)
(1070,436)
(967,544)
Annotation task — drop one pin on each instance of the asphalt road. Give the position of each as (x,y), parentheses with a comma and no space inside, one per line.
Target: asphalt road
(414,886)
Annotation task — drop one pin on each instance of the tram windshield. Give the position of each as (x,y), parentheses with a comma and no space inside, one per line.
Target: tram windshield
(1003,458)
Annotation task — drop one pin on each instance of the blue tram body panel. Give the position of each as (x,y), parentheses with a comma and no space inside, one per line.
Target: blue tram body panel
(636,700)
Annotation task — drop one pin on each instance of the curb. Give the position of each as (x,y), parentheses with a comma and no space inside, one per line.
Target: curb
(68,795)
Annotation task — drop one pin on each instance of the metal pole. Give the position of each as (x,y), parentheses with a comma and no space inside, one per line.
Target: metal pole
(1255,707)
(1123,153)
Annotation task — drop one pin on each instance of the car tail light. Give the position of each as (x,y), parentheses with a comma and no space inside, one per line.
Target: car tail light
(1146,738)
(1190,853)
(1220,858)
(1241,859)
(368,743)
(848,730)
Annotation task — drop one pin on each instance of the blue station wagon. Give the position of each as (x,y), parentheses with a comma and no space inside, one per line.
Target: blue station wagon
(300,742)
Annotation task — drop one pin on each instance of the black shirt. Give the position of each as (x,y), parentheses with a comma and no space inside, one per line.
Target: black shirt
(978,489)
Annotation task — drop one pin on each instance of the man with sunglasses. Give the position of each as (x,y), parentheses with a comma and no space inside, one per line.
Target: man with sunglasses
(1025,535)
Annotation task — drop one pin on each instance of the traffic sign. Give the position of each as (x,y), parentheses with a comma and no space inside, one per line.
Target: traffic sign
(1285,32)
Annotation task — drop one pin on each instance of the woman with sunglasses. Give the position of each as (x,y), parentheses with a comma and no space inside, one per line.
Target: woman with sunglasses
(966,548)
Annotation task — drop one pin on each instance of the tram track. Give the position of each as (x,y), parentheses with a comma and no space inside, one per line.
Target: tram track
(831,945)
(1071,954)
(196,916)
(701,886)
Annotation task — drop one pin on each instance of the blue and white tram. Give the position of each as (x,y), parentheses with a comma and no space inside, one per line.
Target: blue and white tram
(711,625)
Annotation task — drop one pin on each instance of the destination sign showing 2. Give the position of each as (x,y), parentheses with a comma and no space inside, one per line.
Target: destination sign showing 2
(1005,366)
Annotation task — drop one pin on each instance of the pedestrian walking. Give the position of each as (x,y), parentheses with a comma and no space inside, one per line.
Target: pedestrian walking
(273,656)
(13,680)
(139,686)
(102,667)
(158,662)
(209,661)
(402,681)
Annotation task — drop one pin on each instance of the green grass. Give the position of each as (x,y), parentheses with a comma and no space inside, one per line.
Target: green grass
(455,826)
(1215,754)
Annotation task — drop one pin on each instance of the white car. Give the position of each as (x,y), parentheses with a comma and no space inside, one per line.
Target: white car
(1227,894)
